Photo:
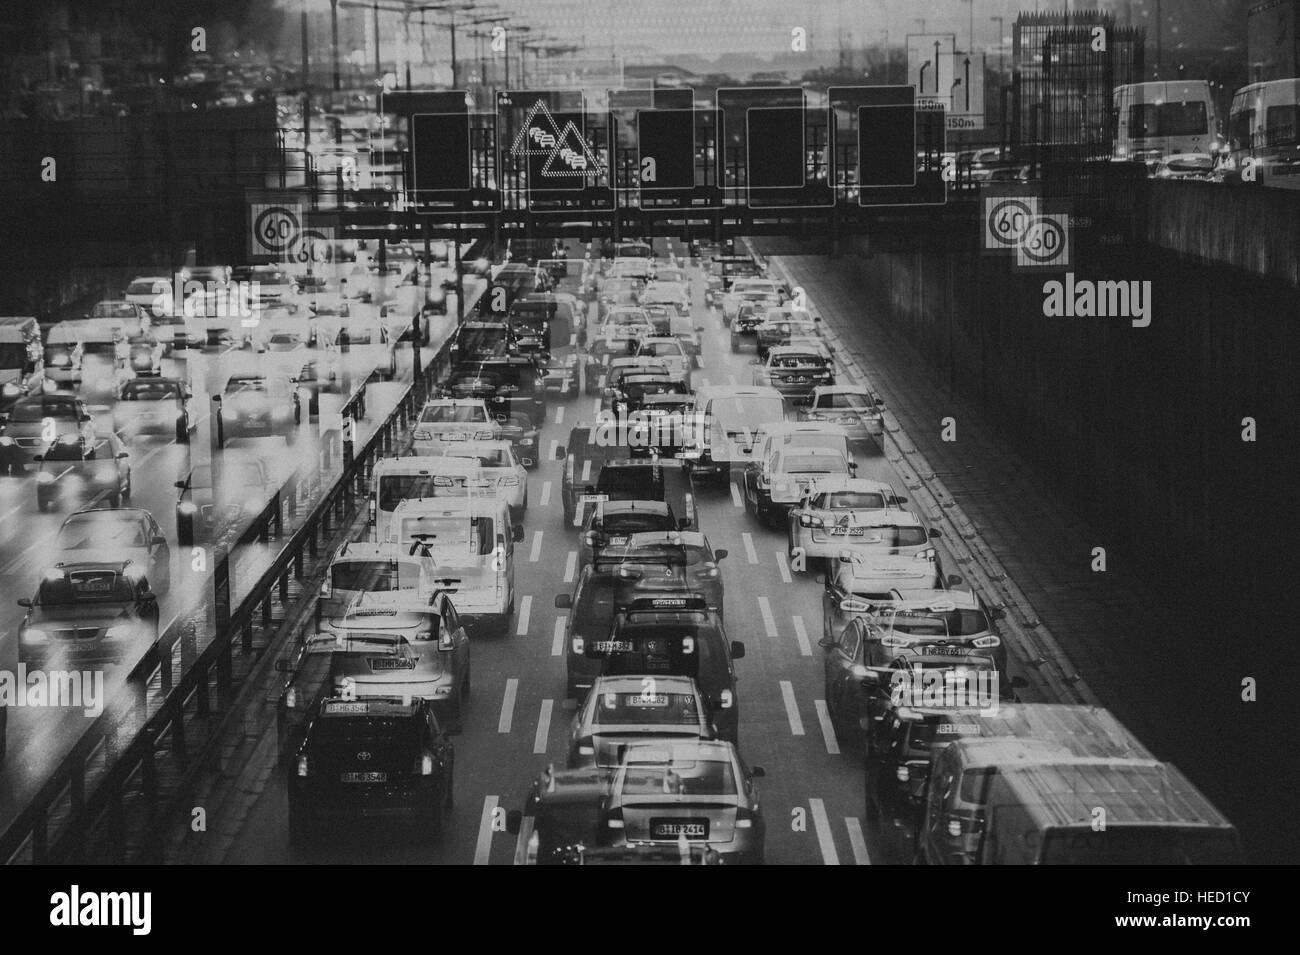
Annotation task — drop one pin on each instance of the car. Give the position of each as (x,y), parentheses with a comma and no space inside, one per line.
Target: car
(615,294)
(671,353)
(566,373)
(756,291)
(499,471)
(258,404)
(634,267)
(625,478)
(591,609)
(65,352)
(855,409)
(811,522)
(777,325)
(674,274)
(632,385)
(664,563)
(613,342)
(749,316)
(268,284)
(382,757)
(365,342)
(360,567)
(1200,166)
(794,371)
(444,421)
(399,643)
(726,421)
(87,612)
(519,429)
(669,791)
(34,421)
(476,340)
(624,709)
(663,292)
(724,271)
(675,633)
(396,479)
(153,294)
(780,481)
(156,406)
(683,328)
(887,556)
(107,534)
(513,383)
(210,505)
(937,622)
(559,823)
(75,468)
(658,422)
(613,523)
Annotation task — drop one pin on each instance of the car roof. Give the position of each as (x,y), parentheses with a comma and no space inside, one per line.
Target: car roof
(627,507)
(888,517)
(839,483)
(811,451)
(936,601)
(656,538)
(777,351)
(664,682)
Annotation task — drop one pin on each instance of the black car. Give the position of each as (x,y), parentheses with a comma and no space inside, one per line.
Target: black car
(591,616)
(506,384)
(373,758)
(155,406)
(522,432)
(209,506)
(477,340)
(92,611)
(663,563)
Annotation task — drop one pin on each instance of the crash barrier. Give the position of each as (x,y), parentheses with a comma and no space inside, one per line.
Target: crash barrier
(115,761)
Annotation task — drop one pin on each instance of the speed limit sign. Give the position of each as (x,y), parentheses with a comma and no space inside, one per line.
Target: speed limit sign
(1045,243)
(1005,219)
(274,229)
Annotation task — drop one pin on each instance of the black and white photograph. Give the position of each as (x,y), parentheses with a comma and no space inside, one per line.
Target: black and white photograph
(650,432)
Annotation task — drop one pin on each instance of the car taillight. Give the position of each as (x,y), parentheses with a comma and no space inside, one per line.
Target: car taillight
(424,765)
(745,817)
(302,766)
(903,773)
(445,641)
(326,588)
(629,573)
(614,819)
(927,554)
(987,641)
(579,644)
(371,510)
(709,571)
(586,749)
(807,520)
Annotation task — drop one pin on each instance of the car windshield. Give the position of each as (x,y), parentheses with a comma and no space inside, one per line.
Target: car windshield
(249,386)
(358,336)
(646,707)
(141,390)
(149,287)
(41,408)
(846,401)
(483,457)
(78,451)
(396,488)
(375,575)
(850,501)
(952,623)
(101,529)
(113,310)
(635,522)
(680,777)
(86,586)
(661,349)
(815,464)
(453,414)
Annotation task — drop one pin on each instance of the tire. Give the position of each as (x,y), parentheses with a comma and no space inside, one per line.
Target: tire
(735,344)
(185,532)
(42,504)
(116,499)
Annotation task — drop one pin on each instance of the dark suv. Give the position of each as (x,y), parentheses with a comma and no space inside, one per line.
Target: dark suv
(372,758)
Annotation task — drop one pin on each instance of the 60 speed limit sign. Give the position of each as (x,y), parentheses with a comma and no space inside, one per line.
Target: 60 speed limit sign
(274,228)
(1005,220)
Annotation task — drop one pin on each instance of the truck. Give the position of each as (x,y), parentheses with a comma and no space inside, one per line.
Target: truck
(22,358)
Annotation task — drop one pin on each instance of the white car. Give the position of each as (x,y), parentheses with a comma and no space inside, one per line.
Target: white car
(677,294)
(669,352)
(750,290)
(153,293)
(498,470)
(810,526)
(445,421)
(853,408)
(787,474)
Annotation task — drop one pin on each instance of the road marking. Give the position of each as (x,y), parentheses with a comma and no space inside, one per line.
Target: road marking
(543,728)
(483,849)
(555,447)
(857,841)
(791,709)
(536,552)
(525,611)
(769,622)
(595,407)
(546,493)
(749,547)
(783,567)
(570,566)
(508,706)
(559,414)
(801,634)
(822,823)
(828,728)
(735,496)
(557,642)
(586,471)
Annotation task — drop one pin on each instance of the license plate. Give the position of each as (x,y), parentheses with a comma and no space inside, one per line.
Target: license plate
(839,531)
(637,699)
(673,828)
(384,663)
(364,777)
(612,646)
(620,541)
(594,498)
(946,651)
(452,436)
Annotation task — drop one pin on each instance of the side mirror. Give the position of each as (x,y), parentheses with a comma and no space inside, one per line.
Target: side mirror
(899,500)
(935,532)
(827,642)
(216,399)
(563,601)
(284,666)
(514,821)
(122,454)
(683,523)
(518,533)
(737,649)
(179,484)
(148,597)
(24,601)
(757,772)
(955,580)
(720,553)
(997,613)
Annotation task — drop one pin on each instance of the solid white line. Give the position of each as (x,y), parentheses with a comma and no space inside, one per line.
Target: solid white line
(783,568)
(822,823)
(536,552)
(570,566)
(749,547)
(735,496)
(543,728)
(546,494)
(586,471)
(555,446)
(483,849)
(559,414)
(557,642)
(769,622)
(525,611)
(508,706)
(595,405)
(828,729)
(791,708)
(857,841)
(801,634)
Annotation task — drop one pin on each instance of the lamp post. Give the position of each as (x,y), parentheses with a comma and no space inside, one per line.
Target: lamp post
(306,93)
(334,41)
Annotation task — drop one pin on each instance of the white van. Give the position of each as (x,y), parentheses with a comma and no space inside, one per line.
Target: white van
(470,541)
(726,420)
(1264,123)
(1163,119)
(22,358)
(395,480)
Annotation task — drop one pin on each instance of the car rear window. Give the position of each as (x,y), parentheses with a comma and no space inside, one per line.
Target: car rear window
(453,414)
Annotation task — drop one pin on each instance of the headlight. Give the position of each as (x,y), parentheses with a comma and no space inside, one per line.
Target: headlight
(32,636)
(187,507)
(511,480)
(585,750)
(578,644)
(527,442)
(859,670)
(118,631)
(6,441)
(987,641)
(11,390)
(895,642)
(44,477)
(927,554)
(854,606)
(807,520)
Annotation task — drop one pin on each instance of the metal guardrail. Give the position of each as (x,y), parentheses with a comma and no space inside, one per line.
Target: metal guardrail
(34,828)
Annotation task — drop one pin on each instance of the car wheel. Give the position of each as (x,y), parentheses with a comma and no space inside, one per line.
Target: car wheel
(42,504)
